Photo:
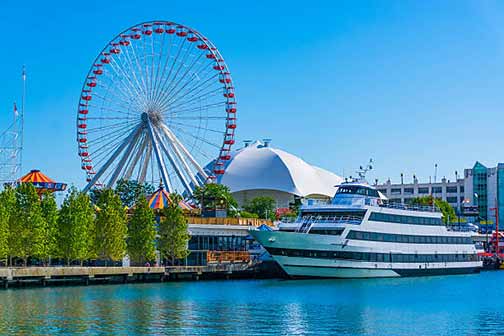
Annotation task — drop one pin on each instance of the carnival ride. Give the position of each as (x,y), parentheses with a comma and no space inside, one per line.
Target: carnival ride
(158,103)
(41,182)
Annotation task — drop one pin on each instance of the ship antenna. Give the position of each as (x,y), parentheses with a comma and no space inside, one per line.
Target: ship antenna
(363,171)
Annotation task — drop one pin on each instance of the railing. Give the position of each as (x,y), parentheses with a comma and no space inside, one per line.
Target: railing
(228,256)
(307,221)
(401,206)
(229,221)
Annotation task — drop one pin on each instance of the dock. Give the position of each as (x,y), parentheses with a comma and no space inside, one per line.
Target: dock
(61,275)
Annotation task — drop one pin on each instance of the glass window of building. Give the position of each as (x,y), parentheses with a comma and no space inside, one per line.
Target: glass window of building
(423,190)
(437,190)
(408,191)
(461,189)
(395,191)
(452,199)
(480,189)
(451,189)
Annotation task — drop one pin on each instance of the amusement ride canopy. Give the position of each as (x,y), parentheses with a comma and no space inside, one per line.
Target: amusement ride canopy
(157,104)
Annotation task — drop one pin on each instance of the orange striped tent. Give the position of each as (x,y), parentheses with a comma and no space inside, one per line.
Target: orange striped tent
(41,182)
(160,199)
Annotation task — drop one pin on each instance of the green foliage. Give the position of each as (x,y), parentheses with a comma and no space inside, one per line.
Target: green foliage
(246,214)
(142,232)
(76,227)
(173,232)
(130,190)
(111,226)
(263,206)
(447,210)
(50,214)
(214,196)
(8,200)
(4,232)
(27,226)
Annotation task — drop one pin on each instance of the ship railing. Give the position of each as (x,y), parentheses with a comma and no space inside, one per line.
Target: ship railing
(401,206)
(346,219)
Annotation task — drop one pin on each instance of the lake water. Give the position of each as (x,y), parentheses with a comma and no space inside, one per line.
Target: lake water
(450,305)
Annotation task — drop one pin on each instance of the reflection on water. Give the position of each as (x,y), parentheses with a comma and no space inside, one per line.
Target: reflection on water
(414,306)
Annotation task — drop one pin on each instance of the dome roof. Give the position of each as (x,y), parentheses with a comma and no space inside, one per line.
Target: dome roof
(259,166)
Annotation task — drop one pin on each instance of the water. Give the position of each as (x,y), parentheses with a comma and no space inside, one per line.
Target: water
(451,305)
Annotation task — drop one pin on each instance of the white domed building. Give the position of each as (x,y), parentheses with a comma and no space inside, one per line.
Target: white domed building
(261,170)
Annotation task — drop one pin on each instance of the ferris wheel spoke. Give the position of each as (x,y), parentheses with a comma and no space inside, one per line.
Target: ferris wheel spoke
(104,108)
(158,82)
(101,128)
(145,68)
(173,112)
(105,145)
(139,69)
(196,127)
(166,96)
(194,91)
(202,75)
(181,64)
(99,141)
(158,67)
(198,96)
(163,85)
(171,95)
(113,101)
(196,137)
(133,92)
(133,68)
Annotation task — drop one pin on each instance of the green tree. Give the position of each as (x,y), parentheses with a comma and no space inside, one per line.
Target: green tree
(142,232)
(76,227)
(28,228)
(213,196)
(173,232)
(4,232)
(446,209)
(130,191)
(50,214)
(263,206)
(8,201)
(111,226)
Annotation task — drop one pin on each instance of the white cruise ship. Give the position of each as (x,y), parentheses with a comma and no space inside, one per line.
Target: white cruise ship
(357,236)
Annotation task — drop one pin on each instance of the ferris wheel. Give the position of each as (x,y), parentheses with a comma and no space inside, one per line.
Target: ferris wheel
(157,104)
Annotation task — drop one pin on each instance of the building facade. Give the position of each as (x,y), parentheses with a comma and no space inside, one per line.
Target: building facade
(451,191)
(477,194)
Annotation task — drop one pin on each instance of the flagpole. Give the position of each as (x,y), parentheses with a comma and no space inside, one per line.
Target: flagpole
(22,120)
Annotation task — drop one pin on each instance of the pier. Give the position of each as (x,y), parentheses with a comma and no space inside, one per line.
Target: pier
(47,276)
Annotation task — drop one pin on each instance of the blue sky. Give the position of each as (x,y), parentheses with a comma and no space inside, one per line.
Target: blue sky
(408,83)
